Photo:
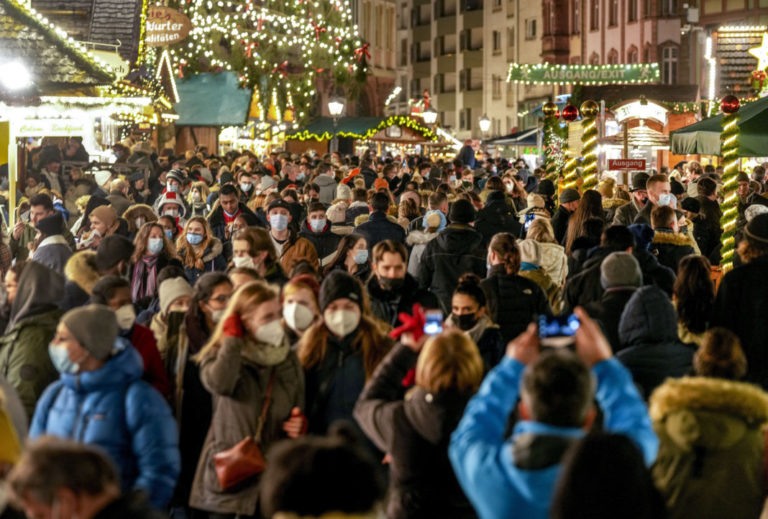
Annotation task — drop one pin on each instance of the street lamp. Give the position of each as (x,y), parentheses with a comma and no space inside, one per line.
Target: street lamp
(335,108)
(485,124)
(429,116)
(14,75)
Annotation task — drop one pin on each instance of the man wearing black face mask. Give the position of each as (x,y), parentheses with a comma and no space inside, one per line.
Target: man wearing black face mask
(392,290)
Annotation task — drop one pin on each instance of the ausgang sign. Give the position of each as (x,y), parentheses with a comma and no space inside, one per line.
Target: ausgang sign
(166,26)
(584,74)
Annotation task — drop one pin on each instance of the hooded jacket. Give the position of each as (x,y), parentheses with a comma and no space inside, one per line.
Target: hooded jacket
(417,242)
(458,249)
(496,217)
(213,260)
(81,275)
(114,409)
(509,476)
(513,301)
(24,359)
(327,185)
(415,430)
(379,228)
(238,387)
(670,247)
(712,447)
(651,349)
(53,252)
(19,248)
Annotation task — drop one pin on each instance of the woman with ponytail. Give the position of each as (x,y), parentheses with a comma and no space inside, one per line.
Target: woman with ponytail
(513,301)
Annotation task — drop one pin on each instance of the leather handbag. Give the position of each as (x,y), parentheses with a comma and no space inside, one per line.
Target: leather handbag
(244,460)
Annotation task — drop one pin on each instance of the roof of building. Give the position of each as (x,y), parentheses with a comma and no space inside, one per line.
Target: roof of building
(55,63)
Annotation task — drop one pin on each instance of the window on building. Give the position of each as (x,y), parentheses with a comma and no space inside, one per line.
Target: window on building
(511,37)
(647,8)
(669,66)
(468,118)
(594,59)
(403,53)
(530,29)
(415,88)
(594,15)
(496,42)
(613,57)
(669,7)
(632,55)
(439,86)
(613,12)
(632,10)
(496,86)
(647,54)
(576,14)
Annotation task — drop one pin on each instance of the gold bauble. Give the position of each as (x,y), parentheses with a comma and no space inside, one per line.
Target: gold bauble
(589,109)
(550,109)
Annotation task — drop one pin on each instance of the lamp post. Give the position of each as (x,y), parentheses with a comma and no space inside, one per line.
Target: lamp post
(335,108)
(485,124)
(429,116)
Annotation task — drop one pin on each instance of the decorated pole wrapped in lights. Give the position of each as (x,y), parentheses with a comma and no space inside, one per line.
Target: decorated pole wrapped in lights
(589,110)
(568,177)
(553,143)
(729,149)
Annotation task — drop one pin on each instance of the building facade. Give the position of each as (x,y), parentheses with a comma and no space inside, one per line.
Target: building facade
(377,22)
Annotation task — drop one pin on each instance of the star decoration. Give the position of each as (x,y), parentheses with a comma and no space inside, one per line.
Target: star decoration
(761,53)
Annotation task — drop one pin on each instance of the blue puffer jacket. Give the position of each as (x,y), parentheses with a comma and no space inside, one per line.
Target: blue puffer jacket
(114,409)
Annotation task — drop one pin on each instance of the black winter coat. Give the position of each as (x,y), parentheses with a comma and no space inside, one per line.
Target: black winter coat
(457,249)
(325,242)
(652,350)
(219,226)
(496,217)
(379,228)
(608,312)
(585,287)
(741,306)
(387,305)
(708,230)
(560,223)
(415,431)
(513,301)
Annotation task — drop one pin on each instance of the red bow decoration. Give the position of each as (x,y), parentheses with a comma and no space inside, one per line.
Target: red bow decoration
(758,79)
(338,41)
(249,49)
(181,70)
(318,30)
(282,68)
(363,51)
(413,324)
(260,24)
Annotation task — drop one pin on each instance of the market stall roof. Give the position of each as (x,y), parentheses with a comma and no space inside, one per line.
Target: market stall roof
(639,136)
(212,100)
(614,94)
(522,138)
(703,137)
(357,128)
(55,63)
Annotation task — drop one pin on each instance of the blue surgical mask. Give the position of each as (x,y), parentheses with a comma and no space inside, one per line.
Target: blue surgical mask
(317,225)
(155,245)
(173,188)
(194,238)
(61,361)
(668,199)
(361,256)
(279,222)
(169,233)
(452,178)
(301,176)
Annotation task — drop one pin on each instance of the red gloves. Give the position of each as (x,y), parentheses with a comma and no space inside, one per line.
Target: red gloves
(411,323)
(233,326)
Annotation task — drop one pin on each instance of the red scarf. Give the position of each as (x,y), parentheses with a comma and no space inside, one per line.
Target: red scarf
(230,219)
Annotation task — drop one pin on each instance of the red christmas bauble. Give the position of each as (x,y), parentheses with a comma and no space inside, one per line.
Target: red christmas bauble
(729,104)
(570,113)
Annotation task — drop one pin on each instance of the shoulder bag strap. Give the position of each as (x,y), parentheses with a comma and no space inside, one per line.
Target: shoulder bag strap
(265,407)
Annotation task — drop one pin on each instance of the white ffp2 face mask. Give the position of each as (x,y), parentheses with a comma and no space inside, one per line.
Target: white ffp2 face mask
(297,316)
(271,333)
(243,262)
(126,316)
(341,322)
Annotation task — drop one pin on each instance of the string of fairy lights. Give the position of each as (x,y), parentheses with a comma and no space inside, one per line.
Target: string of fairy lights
(729,148)
(278,48)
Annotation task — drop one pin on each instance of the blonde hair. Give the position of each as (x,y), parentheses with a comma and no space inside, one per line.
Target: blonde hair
(450,360)
(202,188)
(187,253)
(246,299)
(541,231)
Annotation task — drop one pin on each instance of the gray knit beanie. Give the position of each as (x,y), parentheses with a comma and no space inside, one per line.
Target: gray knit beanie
(95,328)
(620,269)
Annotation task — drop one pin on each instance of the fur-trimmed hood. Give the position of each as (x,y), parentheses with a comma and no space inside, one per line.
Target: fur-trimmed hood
(672,238)
(609,203)
(140,210)
(708,412)
(420,237)
(81,269)
(215,248)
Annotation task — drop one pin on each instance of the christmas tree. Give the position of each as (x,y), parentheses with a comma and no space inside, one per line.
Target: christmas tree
(281,49)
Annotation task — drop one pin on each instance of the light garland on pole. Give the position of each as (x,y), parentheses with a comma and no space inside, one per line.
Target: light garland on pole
(568,176)
(589,110)
(280,49)
(552,152)
(729,148)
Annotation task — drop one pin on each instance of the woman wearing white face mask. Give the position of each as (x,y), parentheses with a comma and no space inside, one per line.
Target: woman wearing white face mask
(300,307)
(340,352)
(153,252)
(196,199)
(250,369)
(253,248)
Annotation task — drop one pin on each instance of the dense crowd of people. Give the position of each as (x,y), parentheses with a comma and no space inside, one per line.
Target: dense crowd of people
(215,337)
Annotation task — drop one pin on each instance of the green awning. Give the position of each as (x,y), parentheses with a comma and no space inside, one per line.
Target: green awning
(356,128)
(212,100)
(703,137)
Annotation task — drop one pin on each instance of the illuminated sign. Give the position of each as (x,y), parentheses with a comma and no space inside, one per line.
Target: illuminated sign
(640,110)
(51,128)
(166,26)
(584,74)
